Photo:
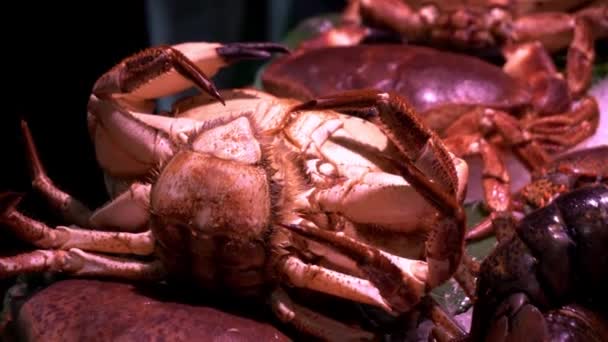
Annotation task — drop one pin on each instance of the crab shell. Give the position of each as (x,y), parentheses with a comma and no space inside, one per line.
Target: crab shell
(427,77)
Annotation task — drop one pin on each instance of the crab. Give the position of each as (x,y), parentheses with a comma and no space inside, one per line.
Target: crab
(477,108)
(515,28)
(243,193)
(565,173)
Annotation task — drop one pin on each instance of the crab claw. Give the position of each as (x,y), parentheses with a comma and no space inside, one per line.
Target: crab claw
(166,70)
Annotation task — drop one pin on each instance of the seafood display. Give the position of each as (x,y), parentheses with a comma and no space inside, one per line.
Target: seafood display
(329,201)
(514,29)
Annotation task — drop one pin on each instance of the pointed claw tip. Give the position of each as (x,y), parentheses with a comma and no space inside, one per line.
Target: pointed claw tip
(219,97)
(213,92)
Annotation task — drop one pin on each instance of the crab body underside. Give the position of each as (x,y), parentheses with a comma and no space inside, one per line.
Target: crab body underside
(243,192)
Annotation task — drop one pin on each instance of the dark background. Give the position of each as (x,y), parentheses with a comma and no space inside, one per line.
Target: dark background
(54,51)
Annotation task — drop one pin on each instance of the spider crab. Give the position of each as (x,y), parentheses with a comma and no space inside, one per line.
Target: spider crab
(241,192)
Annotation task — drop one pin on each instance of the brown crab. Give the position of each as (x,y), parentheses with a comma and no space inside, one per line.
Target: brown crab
(243,193)
(476,107)
(516,28)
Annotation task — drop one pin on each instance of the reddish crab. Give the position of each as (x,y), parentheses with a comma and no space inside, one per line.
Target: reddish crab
(474,106)
(244,193)
(567,172)
(515,27)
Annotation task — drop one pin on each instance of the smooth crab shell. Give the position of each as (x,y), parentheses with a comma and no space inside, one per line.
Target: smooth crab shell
(426,77)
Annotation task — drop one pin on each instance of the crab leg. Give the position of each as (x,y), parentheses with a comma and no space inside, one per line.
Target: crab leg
(138,70)
(71,209)
(532,64)
(585,111)
(41,235)
(496,182)
(499,223)
(558,29)
(79,263)
(463,138)
(313,323)
(128,211)
(581,56)
(399,281)
(422,150)
(560,131)
(530,140)
(331,282)
(127,146)
(509,128)
(446,328)
(395,14)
